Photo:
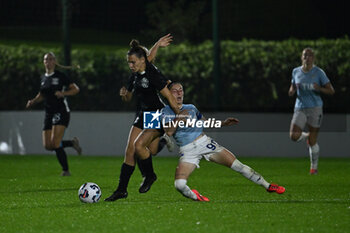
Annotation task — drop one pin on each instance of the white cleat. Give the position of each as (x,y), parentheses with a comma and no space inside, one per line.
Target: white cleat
(76,145)
(169,143)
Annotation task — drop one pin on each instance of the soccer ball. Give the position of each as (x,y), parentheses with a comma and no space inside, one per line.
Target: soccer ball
(89,193)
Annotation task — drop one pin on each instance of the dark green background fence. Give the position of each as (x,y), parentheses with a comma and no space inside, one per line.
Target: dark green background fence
(256,75)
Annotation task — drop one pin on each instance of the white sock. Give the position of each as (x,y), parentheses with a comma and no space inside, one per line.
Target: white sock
(302,137)
(314,152)
(249,173)
(180,185)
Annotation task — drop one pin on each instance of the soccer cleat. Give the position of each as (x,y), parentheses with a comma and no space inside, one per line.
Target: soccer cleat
(147,183)
(76,145)
(117,195)
(199,196)
(313,171)
(276,188)
(65,173)
(169,143)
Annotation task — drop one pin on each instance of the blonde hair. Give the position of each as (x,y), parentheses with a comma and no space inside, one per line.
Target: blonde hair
(309,49)
(62,66)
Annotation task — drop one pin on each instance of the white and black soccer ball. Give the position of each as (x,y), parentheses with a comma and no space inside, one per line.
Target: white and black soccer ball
(89,193)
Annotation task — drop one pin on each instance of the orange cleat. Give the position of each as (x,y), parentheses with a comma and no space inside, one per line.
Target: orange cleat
(313,171)
(199,196)
(276,188)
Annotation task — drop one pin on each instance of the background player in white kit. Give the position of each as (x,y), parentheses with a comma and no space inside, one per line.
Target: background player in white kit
(194,145)
(308,81)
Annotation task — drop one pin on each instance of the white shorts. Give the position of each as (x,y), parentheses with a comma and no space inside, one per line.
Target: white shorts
(311,116)
(196,150)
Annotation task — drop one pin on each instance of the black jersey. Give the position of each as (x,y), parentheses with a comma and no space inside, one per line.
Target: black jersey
(57,81)
(146,86)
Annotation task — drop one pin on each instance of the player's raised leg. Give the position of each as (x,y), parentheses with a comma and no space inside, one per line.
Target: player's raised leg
(296,134)
(297,125)
(74,143)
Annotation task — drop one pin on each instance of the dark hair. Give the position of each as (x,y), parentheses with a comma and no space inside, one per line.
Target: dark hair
(137,49)
(170,85)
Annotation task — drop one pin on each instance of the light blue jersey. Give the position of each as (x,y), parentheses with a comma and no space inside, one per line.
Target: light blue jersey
(307,96)
(183,135)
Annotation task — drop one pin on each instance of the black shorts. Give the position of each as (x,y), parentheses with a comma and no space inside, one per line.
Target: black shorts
(58,118)
(138,122)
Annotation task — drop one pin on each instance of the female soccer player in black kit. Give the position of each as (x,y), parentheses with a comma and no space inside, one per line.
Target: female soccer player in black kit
(55,86)
(145,82)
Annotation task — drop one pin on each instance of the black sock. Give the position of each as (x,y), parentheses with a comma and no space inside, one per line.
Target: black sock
(62,158)
(125,174)
(161,144)
(140,167)
(67,143)
(146,167)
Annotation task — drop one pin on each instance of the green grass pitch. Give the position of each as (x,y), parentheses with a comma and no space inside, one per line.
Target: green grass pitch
(34,198)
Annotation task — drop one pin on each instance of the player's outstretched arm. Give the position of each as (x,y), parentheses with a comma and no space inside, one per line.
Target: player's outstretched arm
(162,42)
(230,121)
(171,99)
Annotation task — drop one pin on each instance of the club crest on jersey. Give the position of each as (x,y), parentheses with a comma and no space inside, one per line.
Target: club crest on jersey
(55,81)
(144,83)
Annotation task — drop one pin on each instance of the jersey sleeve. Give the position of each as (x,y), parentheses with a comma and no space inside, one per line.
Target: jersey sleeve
(198,113)
(157,79)
(293,77)
(323,77)
(130,83)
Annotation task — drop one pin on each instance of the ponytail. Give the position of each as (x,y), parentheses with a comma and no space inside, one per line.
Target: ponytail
(72,67)
(137,49)
(62,66)
(134,43)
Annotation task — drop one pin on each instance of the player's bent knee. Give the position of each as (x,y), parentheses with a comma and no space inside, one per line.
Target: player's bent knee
(48,147)
(138,146)
(56,145)
(294,136)
(180,184)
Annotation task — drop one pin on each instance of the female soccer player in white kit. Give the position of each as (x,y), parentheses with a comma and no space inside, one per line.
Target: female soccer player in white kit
(194,145)
(308,81)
